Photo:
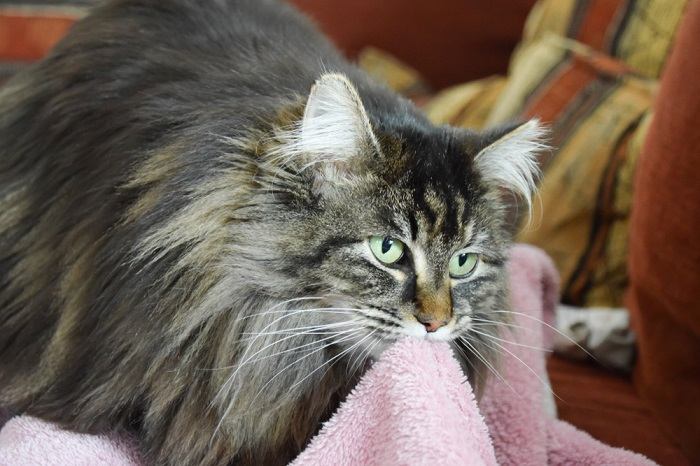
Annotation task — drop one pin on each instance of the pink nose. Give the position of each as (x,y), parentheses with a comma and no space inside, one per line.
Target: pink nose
(432,325)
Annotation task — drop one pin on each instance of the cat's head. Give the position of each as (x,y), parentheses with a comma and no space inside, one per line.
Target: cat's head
(403,222)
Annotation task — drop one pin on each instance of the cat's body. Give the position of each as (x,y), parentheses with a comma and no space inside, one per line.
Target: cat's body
(173,208)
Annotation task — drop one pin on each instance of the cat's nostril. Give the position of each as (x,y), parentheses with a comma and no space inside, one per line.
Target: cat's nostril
(432,325)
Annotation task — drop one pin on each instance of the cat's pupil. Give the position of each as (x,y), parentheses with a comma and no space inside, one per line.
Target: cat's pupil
(386,245)
(462,259)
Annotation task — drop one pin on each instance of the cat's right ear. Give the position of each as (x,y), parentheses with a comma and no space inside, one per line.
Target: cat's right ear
(335,123)
(335,128)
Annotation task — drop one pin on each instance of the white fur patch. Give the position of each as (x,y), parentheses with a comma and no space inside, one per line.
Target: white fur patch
(511,161)
(335,121)
(335,127)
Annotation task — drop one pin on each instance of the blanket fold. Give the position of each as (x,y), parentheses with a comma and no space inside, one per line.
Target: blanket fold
(412,407)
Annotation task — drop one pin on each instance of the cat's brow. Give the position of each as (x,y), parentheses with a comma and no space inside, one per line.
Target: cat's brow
(468,233)
(438,208)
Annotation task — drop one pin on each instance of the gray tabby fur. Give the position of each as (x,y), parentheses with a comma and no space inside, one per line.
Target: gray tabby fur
(176,264)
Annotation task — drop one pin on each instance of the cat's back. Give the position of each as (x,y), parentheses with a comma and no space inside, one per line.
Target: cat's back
(133,84)
(263,44)
(169,59)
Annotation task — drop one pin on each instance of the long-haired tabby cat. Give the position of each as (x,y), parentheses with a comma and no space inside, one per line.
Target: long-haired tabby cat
(209,221)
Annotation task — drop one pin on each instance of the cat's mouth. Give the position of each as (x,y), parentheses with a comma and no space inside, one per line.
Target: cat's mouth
(372,329)
(408,325)
(412,327)
(380,338)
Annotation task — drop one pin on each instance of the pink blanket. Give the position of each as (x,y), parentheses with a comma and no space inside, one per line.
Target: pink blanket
(413,407)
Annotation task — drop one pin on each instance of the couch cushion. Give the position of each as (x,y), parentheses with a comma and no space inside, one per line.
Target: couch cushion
(638,33)
(596,107)
(607,406)
(664,296)
(597,111)
(466,105)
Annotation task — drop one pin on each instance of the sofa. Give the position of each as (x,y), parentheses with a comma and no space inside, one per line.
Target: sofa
(469,53)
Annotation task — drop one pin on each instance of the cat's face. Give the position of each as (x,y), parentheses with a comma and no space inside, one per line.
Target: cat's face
(405,235)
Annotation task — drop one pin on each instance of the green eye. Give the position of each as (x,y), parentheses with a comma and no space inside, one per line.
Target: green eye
(463,264)
(385,248)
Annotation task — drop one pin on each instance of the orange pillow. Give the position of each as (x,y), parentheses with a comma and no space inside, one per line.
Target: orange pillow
(28,33)
(664,293)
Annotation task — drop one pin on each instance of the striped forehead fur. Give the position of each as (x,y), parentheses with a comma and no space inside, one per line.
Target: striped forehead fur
(438,207)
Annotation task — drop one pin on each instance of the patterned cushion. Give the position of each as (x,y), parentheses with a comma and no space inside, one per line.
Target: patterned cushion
(639,33)
(597,111)
(587,68)
(467,105)
(386,68)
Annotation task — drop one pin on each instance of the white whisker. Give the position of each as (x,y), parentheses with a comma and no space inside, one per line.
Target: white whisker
(481,357)
(537,348)
(537,376)
(230,406)
(498,323)
(367,355)
(337,310)
(550,327)
(333,359)
(308,327)
(296,348)
(466,358)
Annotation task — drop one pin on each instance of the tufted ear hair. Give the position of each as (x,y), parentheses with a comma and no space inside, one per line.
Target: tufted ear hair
(510,161)
(335,122)
(334,129)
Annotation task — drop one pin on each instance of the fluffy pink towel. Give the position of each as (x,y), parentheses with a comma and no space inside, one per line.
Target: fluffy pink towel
(26,441)
(413,407)
(515,408)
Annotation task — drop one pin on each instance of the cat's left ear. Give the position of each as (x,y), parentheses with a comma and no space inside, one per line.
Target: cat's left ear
(510,160)
(335,128)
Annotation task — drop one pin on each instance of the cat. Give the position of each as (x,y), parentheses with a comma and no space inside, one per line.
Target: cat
(211,222)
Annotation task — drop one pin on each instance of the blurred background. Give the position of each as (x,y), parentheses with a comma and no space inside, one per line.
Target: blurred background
(619,208)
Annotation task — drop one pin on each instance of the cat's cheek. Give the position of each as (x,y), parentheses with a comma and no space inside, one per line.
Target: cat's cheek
(378,349)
